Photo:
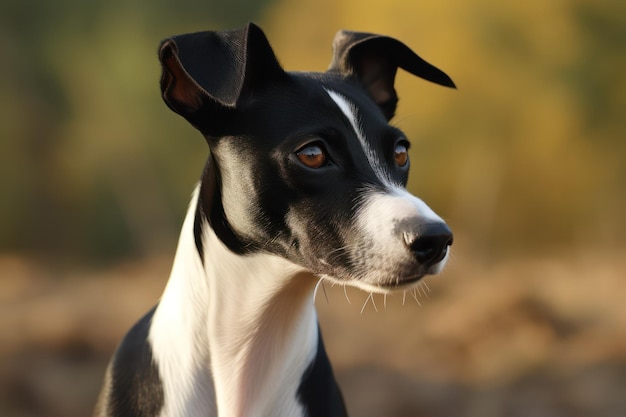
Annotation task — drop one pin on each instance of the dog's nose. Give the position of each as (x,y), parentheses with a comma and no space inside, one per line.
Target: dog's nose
(429,242)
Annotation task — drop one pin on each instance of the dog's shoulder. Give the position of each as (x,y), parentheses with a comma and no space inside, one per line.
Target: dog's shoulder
(132,384)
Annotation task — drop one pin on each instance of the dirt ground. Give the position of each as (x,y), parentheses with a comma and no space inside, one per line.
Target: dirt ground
(527,337)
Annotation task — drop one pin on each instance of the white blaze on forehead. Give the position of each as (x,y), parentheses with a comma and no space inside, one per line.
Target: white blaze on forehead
(350,111)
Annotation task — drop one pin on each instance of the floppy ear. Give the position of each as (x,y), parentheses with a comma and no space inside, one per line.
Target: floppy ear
(212,71)
(374,60)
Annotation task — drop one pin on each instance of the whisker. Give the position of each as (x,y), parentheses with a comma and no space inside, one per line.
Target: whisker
(403,297)
(319,282)
(325,295)
(373,302)
(366,300)
(414,292)
(345,292)
(422,285)
(385,301)
(420,290)
(337,252)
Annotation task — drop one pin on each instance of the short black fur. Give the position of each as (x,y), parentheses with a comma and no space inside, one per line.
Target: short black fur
(254,116)
(135,388)
(318,391)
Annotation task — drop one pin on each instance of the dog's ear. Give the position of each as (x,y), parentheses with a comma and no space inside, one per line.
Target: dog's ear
(374,60)
(213,70)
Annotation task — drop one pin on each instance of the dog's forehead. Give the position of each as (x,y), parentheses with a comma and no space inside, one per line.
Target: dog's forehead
(310,102)
(349,88)
(350,101)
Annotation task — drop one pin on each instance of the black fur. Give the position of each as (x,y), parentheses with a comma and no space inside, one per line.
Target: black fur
(132,384)
(254,194)
(318,391)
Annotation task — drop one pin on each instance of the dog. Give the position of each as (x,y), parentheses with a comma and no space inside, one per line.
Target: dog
(305,181)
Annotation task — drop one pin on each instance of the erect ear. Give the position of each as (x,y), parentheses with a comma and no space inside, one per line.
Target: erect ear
(212,71)
(374,60)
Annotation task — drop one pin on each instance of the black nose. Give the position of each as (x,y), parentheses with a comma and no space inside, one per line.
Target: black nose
(429,242)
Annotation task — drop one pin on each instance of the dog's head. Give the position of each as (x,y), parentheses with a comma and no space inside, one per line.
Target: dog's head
(305,165)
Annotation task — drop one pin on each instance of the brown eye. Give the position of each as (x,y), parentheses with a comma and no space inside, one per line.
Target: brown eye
(401,154)
(312,156)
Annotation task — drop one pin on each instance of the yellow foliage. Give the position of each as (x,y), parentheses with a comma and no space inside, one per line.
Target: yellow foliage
(512,151)
(529,148)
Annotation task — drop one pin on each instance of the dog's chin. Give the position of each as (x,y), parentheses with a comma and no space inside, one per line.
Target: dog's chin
(401,284)
(388,286)
(385,283)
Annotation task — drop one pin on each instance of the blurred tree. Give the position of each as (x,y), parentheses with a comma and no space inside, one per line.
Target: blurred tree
(528,154)
(88,169)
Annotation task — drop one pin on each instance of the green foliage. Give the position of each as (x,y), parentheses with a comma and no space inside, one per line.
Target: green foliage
(528,153)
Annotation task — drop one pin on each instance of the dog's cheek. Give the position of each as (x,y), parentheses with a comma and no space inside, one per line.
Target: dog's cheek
(240,214)
(256,214)
(313,238)
(240,203)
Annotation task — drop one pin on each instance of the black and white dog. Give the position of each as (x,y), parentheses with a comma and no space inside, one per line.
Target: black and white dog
(305,181)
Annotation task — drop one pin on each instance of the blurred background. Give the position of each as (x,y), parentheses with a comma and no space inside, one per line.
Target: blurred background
(526,161)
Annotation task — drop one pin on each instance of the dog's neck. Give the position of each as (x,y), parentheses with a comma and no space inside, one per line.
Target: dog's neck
(232,335)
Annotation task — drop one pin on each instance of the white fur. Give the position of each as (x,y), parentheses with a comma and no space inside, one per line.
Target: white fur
(232,338)
(380,213)
(178,334)
(394,204)
(350,111)
(376,220)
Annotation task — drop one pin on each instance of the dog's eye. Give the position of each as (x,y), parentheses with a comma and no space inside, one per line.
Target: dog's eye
(401,154)
(312,156)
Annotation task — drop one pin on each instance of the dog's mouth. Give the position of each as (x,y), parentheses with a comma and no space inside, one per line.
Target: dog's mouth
(381,279)
(401,283)
(385,270)
(374,284)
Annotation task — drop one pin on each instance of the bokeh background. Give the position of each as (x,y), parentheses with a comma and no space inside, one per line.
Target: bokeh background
(526,161)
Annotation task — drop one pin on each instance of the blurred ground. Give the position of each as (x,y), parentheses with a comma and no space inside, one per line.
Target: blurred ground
(526,337)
